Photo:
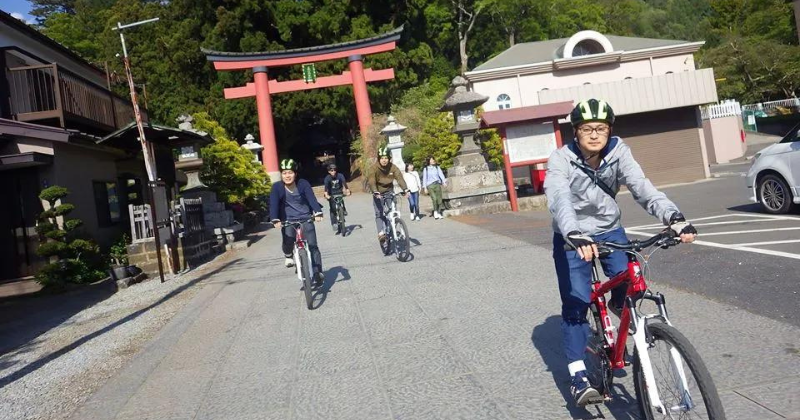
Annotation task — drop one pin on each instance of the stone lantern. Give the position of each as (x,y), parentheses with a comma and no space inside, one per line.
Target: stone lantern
(393,132)
(462,103)
(217,220)
(471,188)
(189,159)
(252,146)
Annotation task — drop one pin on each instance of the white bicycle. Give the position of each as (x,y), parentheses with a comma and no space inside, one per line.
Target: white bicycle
(396,240)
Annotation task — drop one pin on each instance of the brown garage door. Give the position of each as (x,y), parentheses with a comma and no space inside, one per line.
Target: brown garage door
(665,143)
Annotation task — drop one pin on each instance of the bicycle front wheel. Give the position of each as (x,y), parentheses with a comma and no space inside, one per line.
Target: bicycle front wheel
(402,246)
(340,218)
(684,385)
(306,271)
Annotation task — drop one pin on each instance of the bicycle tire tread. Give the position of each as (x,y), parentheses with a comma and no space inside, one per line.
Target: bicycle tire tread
(695,363)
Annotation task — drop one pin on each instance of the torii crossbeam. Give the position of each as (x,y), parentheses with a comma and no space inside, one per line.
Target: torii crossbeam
(262,88)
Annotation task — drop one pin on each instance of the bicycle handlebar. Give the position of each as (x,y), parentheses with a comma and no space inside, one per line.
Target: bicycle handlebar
(666,238)
(297,223)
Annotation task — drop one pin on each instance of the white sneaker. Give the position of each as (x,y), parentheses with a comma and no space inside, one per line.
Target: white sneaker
(437,215)
(288,262)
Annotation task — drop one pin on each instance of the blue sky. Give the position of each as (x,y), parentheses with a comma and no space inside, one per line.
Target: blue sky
(23,7)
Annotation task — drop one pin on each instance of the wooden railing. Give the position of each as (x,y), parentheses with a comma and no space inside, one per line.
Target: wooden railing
(50,92)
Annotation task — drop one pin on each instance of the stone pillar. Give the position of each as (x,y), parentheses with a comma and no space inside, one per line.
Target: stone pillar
(266,125)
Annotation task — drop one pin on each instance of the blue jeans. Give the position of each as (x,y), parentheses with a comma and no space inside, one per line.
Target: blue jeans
(574,283)
(413,203)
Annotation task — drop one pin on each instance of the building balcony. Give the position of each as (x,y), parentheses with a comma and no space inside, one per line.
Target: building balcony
(48,94)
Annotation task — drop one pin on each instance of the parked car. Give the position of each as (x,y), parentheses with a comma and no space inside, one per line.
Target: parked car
(774,177)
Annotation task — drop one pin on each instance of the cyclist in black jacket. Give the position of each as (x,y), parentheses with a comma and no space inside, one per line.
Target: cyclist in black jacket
(335,184)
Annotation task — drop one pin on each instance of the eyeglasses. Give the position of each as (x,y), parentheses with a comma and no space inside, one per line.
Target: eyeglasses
(586,130)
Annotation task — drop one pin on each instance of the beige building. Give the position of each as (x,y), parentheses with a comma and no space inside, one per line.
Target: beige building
(61,125)
(652,84)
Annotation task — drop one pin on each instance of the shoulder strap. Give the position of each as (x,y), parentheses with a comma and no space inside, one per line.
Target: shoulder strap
(596,179)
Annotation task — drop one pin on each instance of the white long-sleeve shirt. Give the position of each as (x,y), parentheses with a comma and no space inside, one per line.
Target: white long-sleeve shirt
(412,181)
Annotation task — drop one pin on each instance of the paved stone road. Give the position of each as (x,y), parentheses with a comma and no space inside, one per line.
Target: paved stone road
(467,330)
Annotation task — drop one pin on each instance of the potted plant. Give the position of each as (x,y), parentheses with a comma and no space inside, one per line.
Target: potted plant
(119,259)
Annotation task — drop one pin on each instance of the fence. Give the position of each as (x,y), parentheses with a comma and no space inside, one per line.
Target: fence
(192,218)
(141,223)
(773,105)
(727,108)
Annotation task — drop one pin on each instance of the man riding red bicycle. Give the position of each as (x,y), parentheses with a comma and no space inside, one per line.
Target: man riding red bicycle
(582,181)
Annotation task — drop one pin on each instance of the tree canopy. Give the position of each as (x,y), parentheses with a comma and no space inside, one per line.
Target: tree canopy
(751,44)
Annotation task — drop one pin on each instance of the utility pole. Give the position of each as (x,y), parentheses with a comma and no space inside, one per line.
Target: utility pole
(147,148)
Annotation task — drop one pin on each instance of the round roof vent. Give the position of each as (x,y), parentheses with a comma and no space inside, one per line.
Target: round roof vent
(587,43)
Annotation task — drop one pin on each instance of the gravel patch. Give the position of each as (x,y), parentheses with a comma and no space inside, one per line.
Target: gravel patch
(52,375)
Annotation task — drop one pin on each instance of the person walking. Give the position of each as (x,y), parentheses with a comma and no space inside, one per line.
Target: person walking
(432,180)
(414,185)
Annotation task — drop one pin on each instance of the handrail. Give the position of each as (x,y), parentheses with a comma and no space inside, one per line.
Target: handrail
(35,95)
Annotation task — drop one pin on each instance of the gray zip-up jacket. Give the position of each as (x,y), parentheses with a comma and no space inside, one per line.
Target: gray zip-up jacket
(578,204)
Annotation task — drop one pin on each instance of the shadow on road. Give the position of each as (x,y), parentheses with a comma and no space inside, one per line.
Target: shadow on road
(35,365)
(546,337)
(349,229)
(749,208)
(22,319)
(331,278)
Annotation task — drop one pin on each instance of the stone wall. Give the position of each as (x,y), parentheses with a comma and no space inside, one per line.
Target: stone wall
(192,251)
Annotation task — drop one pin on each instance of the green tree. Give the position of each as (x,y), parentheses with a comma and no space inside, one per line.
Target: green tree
(438,140)
(755,70)
(73,259)
(229,170)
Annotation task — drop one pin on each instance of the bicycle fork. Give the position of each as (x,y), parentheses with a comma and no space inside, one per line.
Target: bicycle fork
(676,362)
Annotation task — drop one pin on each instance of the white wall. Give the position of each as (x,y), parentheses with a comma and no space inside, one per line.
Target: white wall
(10,37)
(523,90)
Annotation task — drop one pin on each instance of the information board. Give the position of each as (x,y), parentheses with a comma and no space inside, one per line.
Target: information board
(529,142)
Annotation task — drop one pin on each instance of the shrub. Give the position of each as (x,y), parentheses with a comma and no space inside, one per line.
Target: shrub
(76,259)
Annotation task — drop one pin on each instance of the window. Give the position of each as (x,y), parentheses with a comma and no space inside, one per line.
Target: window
(503,101)
(587,47)
(106,203)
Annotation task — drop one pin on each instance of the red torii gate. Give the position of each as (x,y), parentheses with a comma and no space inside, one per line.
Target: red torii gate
(262,88)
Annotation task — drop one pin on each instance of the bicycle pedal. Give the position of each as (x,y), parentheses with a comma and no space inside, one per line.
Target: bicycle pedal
(598,400)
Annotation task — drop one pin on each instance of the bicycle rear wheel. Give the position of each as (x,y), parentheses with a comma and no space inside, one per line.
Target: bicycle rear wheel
(402,247)
(670,353)
(306,271)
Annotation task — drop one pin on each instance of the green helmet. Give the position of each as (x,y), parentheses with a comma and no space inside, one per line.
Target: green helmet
(288,165)
(384,151)
(591,111)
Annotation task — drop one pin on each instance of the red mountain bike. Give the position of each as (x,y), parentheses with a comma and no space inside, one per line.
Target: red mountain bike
(670,378)
(302,259)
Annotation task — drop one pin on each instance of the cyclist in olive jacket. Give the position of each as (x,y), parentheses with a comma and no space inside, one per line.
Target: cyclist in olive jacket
(381,180)
(582,181)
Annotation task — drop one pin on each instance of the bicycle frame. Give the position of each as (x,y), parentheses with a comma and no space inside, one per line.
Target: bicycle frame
(392,214)
(637,289)
(300,245)
(338,201)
